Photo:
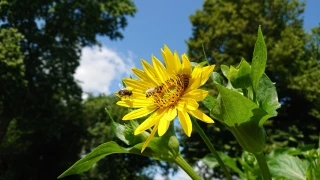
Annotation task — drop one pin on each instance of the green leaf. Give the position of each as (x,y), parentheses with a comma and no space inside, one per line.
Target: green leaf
(267,97)
(118,130)
(288,167)
(98,153)
(203,63)
(165,148)
(243,117)
(209,102)
(225,71)
(129,133)
(259,60)
(242,79)
(217,78)
(194,64)
(237,109)
(213,106)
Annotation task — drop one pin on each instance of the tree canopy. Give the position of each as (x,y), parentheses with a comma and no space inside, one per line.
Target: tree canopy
(42,120)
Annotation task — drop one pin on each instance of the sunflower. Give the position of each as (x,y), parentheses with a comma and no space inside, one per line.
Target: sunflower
(165,93)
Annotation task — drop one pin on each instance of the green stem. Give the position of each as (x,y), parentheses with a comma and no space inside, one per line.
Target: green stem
(187,168)
(210,146)
(263,166)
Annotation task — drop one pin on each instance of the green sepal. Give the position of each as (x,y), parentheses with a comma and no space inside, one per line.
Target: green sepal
(165,147)
(126,132)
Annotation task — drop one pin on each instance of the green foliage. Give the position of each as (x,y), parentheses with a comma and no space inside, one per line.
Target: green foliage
(12,76)
(285,163)
(240,111)
(225,30)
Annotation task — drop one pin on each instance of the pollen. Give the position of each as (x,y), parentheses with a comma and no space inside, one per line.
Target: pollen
(169,92)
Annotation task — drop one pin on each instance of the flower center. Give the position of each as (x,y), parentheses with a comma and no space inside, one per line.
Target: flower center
(168,93)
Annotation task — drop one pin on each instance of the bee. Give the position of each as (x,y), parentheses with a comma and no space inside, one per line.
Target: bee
(152,91)
(185,80)
(123,92)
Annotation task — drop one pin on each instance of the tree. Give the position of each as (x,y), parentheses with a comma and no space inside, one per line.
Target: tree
(227,31)
(41,113)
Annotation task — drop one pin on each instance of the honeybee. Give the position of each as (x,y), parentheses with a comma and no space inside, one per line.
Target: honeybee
(123,92)
(152,91)
(185,79)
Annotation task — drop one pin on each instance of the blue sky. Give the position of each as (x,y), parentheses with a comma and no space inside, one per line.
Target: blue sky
(156,23)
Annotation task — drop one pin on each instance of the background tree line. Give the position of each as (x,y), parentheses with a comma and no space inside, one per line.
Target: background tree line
(45,125)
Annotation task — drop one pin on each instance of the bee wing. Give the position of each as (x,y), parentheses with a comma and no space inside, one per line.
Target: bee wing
(121,86)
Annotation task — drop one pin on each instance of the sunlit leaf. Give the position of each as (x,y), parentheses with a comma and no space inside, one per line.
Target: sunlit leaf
(225,71)
(259,60)
(267,97)
(217,78)
(288,167)
(237,109)
(98,153)
(242,79)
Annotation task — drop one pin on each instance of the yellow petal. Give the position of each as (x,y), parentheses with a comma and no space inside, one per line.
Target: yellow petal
(148,69)
(167,58)
(196,94)
(189,103)
(160,70)
(149,122)
(171,113)
(172,61)
(176,62)
(136,84)
(163,126)
(143,76)
(206,72)
(150,137)
(200,115)
(140,112)
(135,103)
(185,122)
(196,72)
(186,66)
(195,80)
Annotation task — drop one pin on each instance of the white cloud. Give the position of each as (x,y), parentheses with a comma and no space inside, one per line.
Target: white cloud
(99,66)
